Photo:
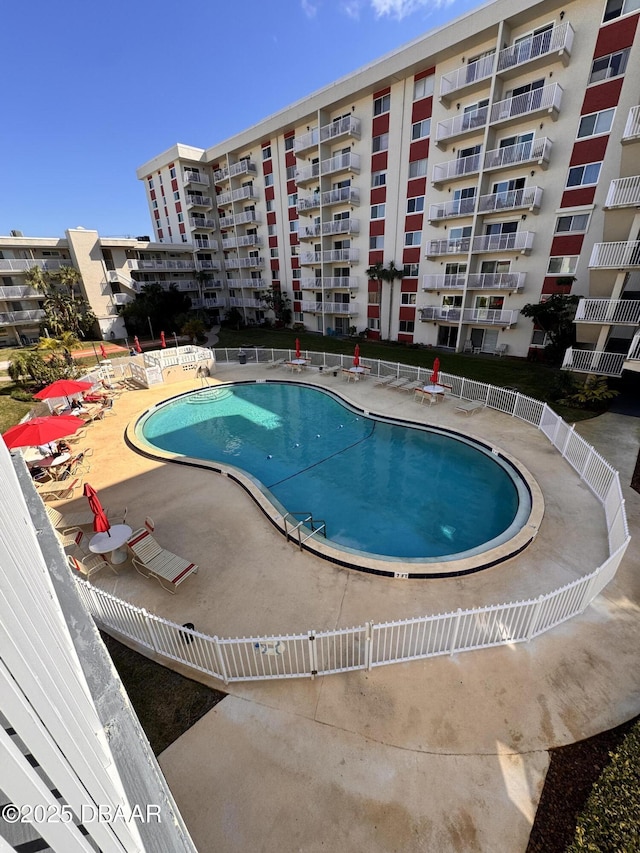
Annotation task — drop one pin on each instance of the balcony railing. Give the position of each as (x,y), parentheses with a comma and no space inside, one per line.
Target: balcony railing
(206,244)
(208,265)
(528,197)
(329,307)
(330,283)
(121,298)
(466,76)
(348,126)
(21,318)
(160,265)
(246,302)
(463,124)
(330,256)
(557,40)
(634,349)
(243,263)
(458,168)
(479,316)
(445,281)
(201,222)
(211,284)
(19,291)
(190,177)
(344,195)
(242,167)
(624,192)
(452,209)
(512,281)
(614,312)
(339,163)
(240,218)
(237,195)
(198,200)
(615,255)
(547,99)
(632,127)
(435,248)
(216,302)
(20,265)
(255,283)
(239,242)
(594,361)
(535,151)
(337,226)
(518,241)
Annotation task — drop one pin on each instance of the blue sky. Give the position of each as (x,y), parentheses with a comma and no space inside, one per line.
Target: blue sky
(92,91)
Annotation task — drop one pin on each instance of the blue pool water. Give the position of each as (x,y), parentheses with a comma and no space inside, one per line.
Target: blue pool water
(387,489)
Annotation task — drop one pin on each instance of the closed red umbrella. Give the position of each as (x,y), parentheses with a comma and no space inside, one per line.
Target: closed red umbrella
(356,356)
(39,431)
(100,520)
(163,342)
(434,378)
(298,353)
(103,351)
(136,344)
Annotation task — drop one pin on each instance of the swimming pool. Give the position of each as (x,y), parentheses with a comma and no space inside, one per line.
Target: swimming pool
(385,489)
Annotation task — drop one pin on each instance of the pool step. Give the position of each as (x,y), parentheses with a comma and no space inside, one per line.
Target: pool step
(209,395)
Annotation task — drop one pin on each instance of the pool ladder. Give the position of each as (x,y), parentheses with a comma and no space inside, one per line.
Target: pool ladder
(295,522)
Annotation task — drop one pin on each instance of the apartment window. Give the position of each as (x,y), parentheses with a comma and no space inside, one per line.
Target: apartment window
(421,129)
(293,226)
(415,205)
(378,179)
(423,88)
(172,173)
(268,180)
(176,196)
(291,172)
(154,204)
(266,152)
(377,211)
(575,222)
(374,324)
(539,338)
(595,123)
(184,238)
(413,238)
(406,326)
(407,299)
(180,217)
(297,294)
(374,297)
(382,105)
(271,205)
(292,200)
(580,176)
(418,168)
(296,273)
(288,143)
(380,143)
(562,265)
(294,251)
(376,242)
(616,8)
(150,182)
(272,230)
(410,270)
(609,66)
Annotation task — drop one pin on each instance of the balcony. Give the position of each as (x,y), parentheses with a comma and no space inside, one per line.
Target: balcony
(538,151)
(466,77)
(634,353)
(445,281)
(21,318)
(528,198)
(329,308)
(437,248)
(614,256)
(246,302)
(121,298)
(160,265)
(461,125)
(215,302)
(609,312)
(255,283)
(206,244)
(544,100)
(198,200)
(624,192)
(337,226)
(208,265)
(330,256)
(243,218)
(511,281)
(211,284)
(237,195)
(475,316)
(452,209)
(344,195)
(455,169)
(343,127)
(594,361)
(239,242)
(201,222)
(242,167)
(340,163)
(558,41)
(331,283)
(20,265)
(19,291)
(243,263)
(632,128)
(191,177)
(518,241)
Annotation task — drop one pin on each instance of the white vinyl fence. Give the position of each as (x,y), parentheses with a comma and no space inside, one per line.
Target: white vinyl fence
(375,644)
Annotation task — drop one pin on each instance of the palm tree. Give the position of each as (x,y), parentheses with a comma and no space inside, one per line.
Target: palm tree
(193,329)
(390,274)
(375,273)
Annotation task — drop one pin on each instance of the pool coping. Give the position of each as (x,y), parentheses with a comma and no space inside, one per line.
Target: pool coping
(359,561)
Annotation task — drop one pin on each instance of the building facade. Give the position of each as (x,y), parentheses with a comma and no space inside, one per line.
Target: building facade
(477,159)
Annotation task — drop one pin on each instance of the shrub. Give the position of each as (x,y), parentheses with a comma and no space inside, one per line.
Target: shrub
(21,395)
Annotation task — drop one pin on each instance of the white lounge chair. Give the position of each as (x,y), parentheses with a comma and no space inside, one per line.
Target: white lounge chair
(399,383)
(152,560)
(90,564)
(469,407)
(278,362)
(385,380)
(411,386)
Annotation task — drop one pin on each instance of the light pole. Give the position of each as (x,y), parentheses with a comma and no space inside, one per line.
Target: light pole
(150,327)
(175,337)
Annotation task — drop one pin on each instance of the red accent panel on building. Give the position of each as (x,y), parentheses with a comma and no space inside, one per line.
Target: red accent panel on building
(160,233)
(409,285)
(602,96)
(152,194)
(275,264)
(269,193)
(174,185)
(407,312)
(413,222)
(297,306)
(295,265)
(181,227)
(419,150)
(422,109)
(550,285)
(416,186)
(178,207)
(376,227)
(271,218)
(267,167)
(379,161)
(372,287)
(405,338)
(381,93)
(411,255)
(273,242)
(292,187)
(378,195)
(616,36)
(567,244)
(293,214)
(574,198)
(289,158)
(426,73)
(375,258)
(293,239)
(380,125)
(156,213)
(374,310)
(589,150)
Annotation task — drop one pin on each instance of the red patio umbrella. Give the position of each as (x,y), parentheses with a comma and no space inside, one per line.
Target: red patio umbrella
(103,351)
(136,344)
(62,388)
(356,356)
(434,378)
(298,353)
(41,430)
(163,342)
(100,520)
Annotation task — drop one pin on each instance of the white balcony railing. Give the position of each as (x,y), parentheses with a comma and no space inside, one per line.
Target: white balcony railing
(557,40)
(201,222)
(339,163)
(624,192)
(435,248)
(337,226)
(534,151)
(615,255)
(518,241)
(547,99)
(445,281)
(21,318)
(469,122)
(198,200)
(237,195)
(19,291)
(479,316)
(632,127)
(512,281)
(216,302)
(452,209)
(255,283)
(466,75)
(329,307)
(594,361)
(614,312)
(191,177)
(160,265)
(122,298)
(528,197)
(208,265)
(21,265)
(344,195)
(246,302)
(329,256)
(330,283)
(457,168)
(242,167)
(243,263)
(634,349)
(206,244)
(347,126)
(243,218)
(239,242)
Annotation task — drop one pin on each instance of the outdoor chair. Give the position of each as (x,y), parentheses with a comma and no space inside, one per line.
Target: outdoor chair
(72,539)
(152,560)
(412,386)
(77,436)
(385,380)
(398,383)
(469,407)
(66,523)
(278,362)
(90,564)
(58,489)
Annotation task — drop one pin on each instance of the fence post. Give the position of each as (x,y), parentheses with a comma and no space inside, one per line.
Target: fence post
(313,654)
(368,646)
(217,653)
(533,621)
(454,637)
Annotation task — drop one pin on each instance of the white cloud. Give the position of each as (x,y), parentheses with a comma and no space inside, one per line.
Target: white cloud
(352,8)
(310,9)
(400,9)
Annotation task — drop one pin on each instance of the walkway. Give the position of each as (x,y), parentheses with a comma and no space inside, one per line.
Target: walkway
(448,754)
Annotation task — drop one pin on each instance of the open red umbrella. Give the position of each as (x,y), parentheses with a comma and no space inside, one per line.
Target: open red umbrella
(356,356)
(62,388)
(298,353)
(163,342)
(100,520)
(103,351)
(434,378)
(136,344)
(41,430)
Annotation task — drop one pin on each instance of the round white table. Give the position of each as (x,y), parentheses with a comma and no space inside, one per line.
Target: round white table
(113,541)
(434,389)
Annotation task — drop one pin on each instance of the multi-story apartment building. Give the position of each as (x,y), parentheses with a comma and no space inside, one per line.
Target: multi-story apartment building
(477,159)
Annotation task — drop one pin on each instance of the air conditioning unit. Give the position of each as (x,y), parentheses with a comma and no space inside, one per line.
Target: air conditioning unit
(16,233)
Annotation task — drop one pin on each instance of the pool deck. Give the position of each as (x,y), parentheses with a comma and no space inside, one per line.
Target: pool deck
(447,754)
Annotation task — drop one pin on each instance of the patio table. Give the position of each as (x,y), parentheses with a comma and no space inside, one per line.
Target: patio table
(112,541)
